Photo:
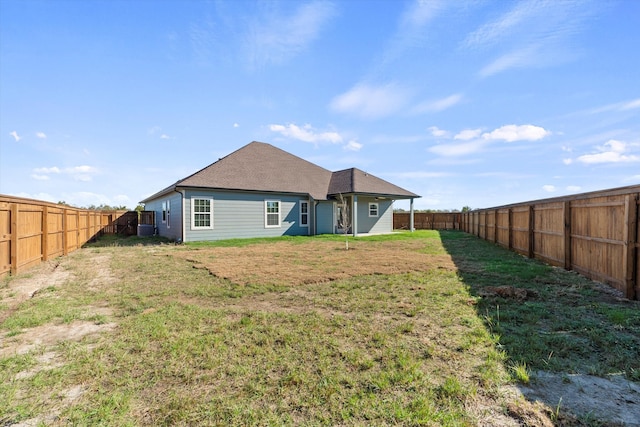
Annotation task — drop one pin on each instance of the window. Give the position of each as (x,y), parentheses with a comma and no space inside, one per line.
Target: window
(201,213)
(164,212)
(304,214)
(373,209)
(271,213)
(168,213)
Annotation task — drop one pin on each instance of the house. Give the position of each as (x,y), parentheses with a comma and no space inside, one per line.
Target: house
(262,191)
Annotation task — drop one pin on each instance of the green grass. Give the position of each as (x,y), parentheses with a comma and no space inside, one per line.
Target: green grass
(568,327)
(403,349)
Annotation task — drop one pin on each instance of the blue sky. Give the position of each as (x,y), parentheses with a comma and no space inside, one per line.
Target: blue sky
(467,103)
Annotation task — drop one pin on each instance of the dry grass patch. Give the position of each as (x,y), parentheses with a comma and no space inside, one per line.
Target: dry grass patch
(316,261)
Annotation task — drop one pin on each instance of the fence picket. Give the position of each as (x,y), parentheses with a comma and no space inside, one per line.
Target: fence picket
(32,231)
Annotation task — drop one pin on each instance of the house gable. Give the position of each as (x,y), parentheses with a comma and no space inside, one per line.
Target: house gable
(265,168)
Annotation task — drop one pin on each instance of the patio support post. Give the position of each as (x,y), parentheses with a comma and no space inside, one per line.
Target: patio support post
(354,221)
(411,227)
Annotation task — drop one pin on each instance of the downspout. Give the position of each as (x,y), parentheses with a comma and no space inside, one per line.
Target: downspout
(182,227)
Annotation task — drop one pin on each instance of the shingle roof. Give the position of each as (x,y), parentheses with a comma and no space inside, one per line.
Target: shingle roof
(359,182)
(262,167)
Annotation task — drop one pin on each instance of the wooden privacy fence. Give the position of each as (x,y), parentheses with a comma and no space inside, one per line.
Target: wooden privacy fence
(33,231)
(595,234)
(427,220)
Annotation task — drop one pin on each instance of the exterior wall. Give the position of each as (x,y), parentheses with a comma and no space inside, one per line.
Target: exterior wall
(242,215)
(172,228)
(325,217)
(383,223)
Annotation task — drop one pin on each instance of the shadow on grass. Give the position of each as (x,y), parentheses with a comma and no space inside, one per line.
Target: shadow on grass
(546,318)
(111,240)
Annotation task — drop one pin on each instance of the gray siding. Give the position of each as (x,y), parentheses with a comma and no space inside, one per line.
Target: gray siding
(242,215)
(383,223)
(172,228)
(324,212)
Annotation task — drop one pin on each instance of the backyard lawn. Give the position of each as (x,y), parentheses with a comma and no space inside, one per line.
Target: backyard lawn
(425,328)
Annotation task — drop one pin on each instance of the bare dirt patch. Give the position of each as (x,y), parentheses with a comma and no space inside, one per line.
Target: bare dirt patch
(284,263)
(26,286)
(613,398)
(49,335)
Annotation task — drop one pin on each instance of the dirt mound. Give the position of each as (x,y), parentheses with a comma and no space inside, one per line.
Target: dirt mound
(507,292)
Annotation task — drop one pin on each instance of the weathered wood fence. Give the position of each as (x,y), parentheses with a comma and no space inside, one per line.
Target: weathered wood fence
(428,221)
(595,234)
(32,231)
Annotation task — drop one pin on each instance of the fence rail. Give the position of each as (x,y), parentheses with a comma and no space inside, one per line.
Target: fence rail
(427,221)
(595,234)
(32,231)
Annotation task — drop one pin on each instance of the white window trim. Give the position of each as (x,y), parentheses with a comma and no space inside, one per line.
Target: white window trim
(266,214)
(377,205)
(193,214)
(307,214)
(169,213)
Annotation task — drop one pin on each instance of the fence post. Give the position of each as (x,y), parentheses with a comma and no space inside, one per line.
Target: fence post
(65,229)
(566,210)
(510,227)
(532,225)
(14,239)
(629,248)
(45,233)
(486,227)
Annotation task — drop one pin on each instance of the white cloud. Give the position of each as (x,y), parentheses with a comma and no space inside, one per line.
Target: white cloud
(275,37)
(477,141)
(411,27)
(630,105)
(495,31)
(460,149)
(165,136)
(612,151)
(41,135)
(532,33)
(437,105)
(549,188)
(573,188)
(439,133)
(36,196)
(567,161)
(352,146)
(153,130)
(236,125)
(519,58)
(512,133)
(618,106)
(15,135)
(81,169)
(306,133)
(419,175)
(371,102)
(50,170)
(78,173)
(468,134)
